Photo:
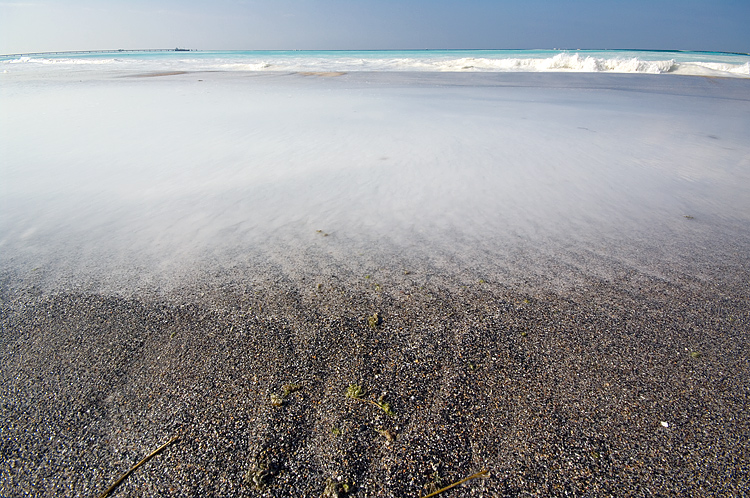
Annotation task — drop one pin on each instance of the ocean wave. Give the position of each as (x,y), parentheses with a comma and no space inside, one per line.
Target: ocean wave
(422,61)
(714,69)
(560,62)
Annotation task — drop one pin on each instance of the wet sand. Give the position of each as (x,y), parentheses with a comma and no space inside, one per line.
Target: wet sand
(636,386)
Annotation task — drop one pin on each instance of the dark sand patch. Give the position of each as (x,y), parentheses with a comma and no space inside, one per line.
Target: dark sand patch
(634,388)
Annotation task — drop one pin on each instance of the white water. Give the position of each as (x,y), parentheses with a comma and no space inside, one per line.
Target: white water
(686,63)
(141,179)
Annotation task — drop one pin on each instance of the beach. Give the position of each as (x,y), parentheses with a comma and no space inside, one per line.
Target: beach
(544,276)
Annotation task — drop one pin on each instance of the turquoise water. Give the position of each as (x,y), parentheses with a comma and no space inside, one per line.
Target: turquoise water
(616,61)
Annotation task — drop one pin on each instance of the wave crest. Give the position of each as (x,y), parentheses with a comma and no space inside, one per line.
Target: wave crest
(560,62)
(468,61)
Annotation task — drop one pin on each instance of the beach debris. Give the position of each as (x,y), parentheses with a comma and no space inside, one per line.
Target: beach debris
(437,481)
(387,434)
(259,472)
(665,424)
(145,459)
(337,488)
(374,320)
(481,473)
(384,405)
(355,391)
(276,400)
(335,430)
(286,390)
(257,477)
(687,216)
(321,232)
(696,354)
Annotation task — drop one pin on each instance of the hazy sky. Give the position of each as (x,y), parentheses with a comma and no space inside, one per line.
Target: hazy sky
(47,25)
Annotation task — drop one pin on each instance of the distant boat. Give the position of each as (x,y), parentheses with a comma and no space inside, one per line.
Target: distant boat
(182,50)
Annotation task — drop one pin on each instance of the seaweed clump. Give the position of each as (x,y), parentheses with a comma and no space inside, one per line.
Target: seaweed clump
(374,320)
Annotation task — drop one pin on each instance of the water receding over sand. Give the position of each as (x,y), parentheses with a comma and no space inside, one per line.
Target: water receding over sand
(558,263)
(183,176)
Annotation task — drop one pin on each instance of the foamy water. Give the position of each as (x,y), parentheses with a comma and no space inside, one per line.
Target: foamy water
(126,180)
(614,61)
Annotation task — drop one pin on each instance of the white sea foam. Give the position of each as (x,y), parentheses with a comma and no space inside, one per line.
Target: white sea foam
(713,69)
(560,62)
(44,61)
(732,65)
(161,175)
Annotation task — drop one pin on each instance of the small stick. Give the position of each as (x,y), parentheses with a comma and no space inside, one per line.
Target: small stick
(473,476)
(374,403)
(146,459)
(369,401)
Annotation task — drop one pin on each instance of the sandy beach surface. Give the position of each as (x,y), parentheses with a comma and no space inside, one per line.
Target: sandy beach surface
(540,276)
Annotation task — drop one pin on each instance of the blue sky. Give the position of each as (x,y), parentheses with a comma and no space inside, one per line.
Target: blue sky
(46,25)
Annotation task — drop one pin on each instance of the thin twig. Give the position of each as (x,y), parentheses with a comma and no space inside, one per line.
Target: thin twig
(146,459)
(375,403)
(473,476)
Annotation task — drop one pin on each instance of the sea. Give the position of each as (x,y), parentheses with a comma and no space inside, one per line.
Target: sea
(607,61)
(128,171)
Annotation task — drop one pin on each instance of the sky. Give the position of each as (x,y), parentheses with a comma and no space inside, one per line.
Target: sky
(58,25)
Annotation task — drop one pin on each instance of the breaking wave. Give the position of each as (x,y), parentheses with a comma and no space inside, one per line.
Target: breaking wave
(644,62)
